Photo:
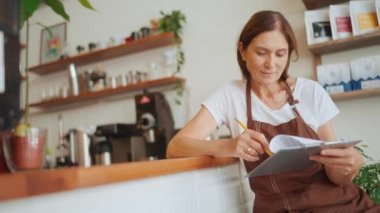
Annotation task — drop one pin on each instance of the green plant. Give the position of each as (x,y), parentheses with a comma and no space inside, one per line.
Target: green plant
(27,9)
(173,22)
(369,178)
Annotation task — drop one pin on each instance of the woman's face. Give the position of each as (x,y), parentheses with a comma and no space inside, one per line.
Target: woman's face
(266,57)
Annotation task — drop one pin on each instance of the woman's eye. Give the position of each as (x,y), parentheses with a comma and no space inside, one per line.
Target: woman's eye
(261,53)
(281,53)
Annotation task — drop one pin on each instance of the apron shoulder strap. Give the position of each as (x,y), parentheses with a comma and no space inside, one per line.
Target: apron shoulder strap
(292,102)
(248,100)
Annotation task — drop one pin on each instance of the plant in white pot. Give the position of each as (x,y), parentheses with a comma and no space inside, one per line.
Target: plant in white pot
(24,148)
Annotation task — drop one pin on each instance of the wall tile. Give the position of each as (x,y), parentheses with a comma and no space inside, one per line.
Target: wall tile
(231,196)
(209,199)
(177,183)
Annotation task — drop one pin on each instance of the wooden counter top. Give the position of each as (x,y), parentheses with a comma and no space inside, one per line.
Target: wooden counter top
(26,184)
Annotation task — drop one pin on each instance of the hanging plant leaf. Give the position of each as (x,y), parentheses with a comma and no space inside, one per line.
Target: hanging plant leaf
(361,151)
(173,22)
(86,4)
(58,8)
(27,8)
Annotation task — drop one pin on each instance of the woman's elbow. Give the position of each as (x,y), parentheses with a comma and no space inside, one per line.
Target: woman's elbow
(170,150)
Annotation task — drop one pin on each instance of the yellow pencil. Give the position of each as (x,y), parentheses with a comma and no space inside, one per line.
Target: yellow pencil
(245,128)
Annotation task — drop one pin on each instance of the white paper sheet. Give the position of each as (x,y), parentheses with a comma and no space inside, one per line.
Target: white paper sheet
(2,65)
(288,142)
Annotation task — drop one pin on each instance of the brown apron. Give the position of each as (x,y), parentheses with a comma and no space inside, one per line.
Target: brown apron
(307,190)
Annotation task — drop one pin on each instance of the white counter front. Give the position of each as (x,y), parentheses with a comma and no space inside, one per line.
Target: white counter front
(216,188)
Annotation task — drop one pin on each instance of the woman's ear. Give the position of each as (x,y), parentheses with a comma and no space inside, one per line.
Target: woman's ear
(241,51)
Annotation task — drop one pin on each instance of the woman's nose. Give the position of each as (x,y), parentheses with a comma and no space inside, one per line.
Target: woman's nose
(269,62)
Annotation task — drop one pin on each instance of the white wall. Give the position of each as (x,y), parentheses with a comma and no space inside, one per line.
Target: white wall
(209,44)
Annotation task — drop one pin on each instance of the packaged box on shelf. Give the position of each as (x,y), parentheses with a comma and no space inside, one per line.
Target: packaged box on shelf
(340,21)
(363,16)
(335,78)
(317,24)
(365,72)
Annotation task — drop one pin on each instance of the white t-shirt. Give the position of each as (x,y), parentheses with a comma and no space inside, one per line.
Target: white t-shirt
(315,106)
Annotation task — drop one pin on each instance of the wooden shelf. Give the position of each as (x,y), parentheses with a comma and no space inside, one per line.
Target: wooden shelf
(150,42)
(364,40)
(333,46)
(106,92)
(315,4)
(356,94)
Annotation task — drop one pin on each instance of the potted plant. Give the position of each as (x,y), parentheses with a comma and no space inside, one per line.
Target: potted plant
(173,22)
(369,177)
(24,148)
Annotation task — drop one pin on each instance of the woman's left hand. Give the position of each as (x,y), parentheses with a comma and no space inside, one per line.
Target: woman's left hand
(341,164)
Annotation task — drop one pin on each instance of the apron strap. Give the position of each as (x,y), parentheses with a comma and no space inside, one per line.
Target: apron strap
(248,101)
(292,102)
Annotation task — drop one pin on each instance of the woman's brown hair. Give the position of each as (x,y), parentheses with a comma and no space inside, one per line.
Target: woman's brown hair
(265,21)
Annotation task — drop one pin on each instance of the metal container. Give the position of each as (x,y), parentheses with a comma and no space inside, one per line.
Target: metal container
(103,153)
(79,143)
(74,85)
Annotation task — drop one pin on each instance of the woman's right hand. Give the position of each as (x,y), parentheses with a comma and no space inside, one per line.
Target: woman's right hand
(249,145)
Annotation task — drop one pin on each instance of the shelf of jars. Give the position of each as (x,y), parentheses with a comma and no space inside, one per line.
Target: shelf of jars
(155,41)
(315,4)
(353,42)
(87,96)
(356,94)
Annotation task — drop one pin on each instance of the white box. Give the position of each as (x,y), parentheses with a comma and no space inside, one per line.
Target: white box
(335,78)
(365,72)
(340,21)
(317,24)
(363,16)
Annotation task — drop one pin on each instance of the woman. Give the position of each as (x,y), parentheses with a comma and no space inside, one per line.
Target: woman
(271,102)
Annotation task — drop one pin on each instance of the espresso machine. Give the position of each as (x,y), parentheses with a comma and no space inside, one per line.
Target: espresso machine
(146,139)
(124,140)
(155,120)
